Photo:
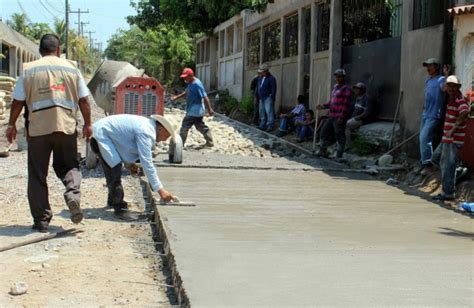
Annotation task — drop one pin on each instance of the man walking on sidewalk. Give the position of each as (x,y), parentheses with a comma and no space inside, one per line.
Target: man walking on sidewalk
(339,106)
(446,154)
(266,93)
(195,110)
(52,89)
(128,138)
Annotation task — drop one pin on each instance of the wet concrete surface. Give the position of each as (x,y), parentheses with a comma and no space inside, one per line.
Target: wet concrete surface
(295,238)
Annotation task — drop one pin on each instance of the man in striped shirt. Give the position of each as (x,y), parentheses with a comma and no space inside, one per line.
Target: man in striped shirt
(339,106)
(454,132)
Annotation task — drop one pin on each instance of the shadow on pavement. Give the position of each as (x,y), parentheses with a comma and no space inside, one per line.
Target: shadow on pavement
(457,233)
(24,230)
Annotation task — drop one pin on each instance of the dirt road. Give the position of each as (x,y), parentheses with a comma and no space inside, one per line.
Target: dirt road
(110,263)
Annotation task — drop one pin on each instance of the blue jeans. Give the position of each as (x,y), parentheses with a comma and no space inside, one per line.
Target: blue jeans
(446,158)
(304,131)
(427,132)
(267,113)
(286,124)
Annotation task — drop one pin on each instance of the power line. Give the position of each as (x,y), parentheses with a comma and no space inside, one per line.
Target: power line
(46,8)
(59,11)
(23,11)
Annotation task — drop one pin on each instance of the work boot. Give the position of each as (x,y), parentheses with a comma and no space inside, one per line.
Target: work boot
(76,212)
(209,140)
(40,226)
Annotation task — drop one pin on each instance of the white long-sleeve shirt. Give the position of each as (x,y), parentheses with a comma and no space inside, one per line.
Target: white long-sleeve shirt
(128,138)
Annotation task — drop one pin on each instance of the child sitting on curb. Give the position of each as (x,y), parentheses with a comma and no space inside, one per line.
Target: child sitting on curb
(305,129)
(287,120)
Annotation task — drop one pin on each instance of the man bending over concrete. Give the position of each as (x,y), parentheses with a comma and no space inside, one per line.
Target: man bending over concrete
(128,138)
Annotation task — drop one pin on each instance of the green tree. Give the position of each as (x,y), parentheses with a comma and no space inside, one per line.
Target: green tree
(195,15)
(78,46)
(18,22)
(36,30)
(162,52)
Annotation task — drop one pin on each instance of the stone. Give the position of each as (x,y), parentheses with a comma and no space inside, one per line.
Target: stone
(392,181)
(18,288)
(385,160)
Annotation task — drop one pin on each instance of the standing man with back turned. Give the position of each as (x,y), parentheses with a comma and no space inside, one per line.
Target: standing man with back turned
(52,89)
(196,97)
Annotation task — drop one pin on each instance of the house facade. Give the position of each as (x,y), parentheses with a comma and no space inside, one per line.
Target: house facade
(16,50)
(380,43)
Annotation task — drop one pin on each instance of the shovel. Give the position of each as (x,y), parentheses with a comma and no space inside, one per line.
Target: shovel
(6,153)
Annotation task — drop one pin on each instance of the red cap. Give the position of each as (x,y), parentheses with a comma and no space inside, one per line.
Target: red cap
(187,72)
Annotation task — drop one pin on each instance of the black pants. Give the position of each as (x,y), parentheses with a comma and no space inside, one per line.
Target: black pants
(188,122)
(65,165)
(255,115)
(113,178)
(330,129)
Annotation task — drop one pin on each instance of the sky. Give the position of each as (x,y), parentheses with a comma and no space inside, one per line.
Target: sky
(105,17)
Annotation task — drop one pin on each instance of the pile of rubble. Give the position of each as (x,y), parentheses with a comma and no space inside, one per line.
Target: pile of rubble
(6,88)
(230,139)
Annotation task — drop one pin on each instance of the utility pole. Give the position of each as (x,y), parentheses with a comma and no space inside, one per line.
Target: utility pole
(90,38)
(81,33)
(67,28)
(79,12)
(99,47)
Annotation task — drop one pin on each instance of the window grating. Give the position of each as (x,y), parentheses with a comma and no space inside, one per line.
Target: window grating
(271,41)
(323,24)
(291,36)
(148,104)
(253,48)
(131,103)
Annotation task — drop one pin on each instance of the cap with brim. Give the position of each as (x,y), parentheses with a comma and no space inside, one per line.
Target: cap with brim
(431,61)
(359,85)
(263,68)
(453,80)
(167,123)
(186,72)
(340,72)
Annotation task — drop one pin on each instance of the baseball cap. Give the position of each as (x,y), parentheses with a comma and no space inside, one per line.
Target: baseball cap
(453,79)
(431,61)
(360,85)
(186,72)
(264,67)
(340,72)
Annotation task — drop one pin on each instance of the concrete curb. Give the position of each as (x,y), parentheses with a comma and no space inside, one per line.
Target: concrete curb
(177,282)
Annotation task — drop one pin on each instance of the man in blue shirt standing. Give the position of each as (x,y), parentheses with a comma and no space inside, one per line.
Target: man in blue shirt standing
(266,93)
(196,97)
(433,110)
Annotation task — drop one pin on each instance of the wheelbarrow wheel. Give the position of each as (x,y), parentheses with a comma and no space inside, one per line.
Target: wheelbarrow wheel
(176,150)
(91,157)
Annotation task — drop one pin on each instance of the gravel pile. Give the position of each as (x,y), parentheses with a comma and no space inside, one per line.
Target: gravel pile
(229,138)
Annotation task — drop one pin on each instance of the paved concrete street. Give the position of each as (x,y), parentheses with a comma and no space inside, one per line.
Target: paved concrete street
(306,238)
